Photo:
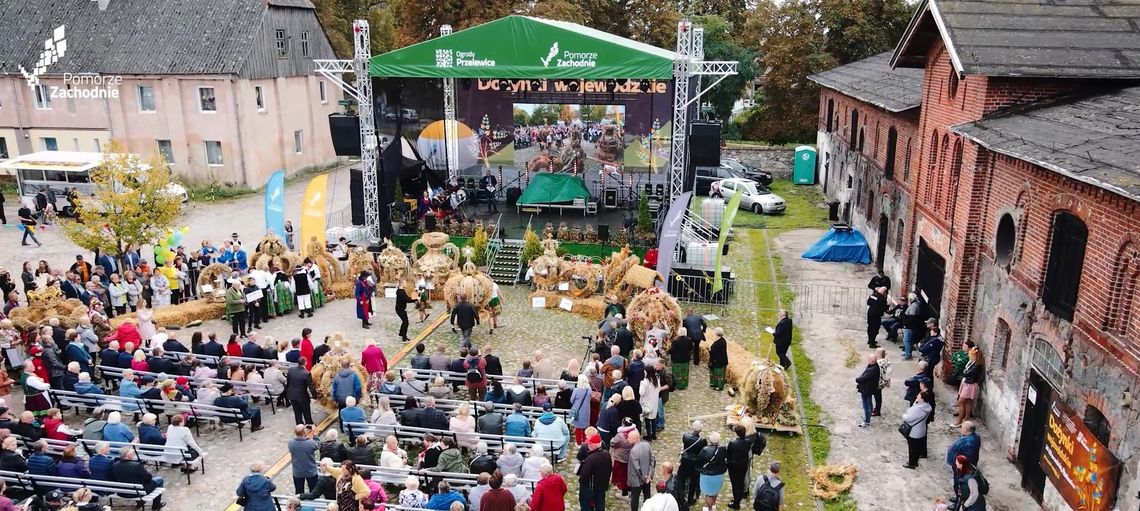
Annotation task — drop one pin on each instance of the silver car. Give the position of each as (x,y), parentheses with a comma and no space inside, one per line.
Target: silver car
(755,198)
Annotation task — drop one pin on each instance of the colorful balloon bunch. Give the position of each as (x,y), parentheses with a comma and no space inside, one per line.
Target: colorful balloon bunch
(164,249)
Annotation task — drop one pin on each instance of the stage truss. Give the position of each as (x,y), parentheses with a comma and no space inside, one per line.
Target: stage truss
(689,64)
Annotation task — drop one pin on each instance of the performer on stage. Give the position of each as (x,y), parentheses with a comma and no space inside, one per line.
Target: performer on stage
(363,292)
(489,184)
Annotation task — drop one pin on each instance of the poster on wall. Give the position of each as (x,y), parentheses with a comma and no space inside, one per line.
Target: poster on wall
(1082,469)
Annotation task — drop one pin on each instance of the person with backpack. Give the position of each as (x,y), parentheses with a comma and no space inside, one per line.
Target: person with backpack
(972,485)
(769,490)
(476,369)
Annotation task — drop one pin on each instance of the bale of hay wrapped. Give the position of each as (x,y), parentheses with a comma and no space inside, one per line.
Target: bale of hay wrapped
(180,315)
(339,289)
(272,251)
(653,306)
(592,308)
(68,311)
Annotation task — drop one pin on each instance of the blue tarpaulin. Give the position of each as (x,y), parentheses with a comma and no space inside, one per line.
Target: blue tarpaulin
(846,246)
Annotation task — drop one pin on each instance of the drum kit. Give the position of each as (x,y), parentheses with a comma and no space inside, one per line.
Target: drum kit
(447,203)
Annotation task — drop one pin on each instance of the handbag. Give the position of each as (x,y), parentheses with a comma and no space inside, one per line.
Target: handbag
(905,427)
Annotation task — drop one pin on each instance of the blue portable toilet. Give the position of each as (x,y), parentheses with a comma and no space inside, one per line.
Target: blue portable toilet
(803,170)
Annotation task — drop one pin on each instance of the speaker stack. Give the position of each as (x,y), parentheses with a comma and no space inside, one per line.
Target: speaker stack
(356,193)
(704,150)
(345,131)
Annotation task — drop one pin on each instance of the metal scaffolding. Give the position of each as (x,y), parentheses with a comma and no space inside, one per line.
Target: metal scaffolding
(361,92)
(450,124)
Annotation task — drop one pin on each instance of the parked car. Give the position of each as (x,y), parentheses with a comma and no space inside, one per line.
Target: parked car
(407,114)
(747,171)
(706,176)
(756,197)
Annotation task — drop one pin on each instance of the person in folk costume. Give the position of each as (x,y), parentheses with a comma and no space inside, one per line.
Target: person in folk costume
(39,367)
(423,304)
(495,307)
(36,399)
(303,291)
(264,282)
(315,283)
(363,293)
(282,291)
(12,344)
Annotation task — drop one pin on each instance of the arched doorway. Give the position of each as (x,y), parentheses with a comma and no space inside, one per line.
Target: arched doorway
(1045,374)
(881,249)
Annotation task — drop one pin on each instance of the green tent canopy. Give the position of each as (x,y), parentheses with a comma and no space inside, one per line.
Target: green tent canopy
(549,188)
(523,47)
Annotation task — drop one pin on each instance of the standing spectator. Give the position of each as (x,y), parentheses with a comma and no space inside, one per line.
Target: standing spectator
(350,487)
(663,499)
(880,279)
(931,349)
(718,360)
(403,298)
(466,318)
(972,486)
(867,384)
(28,225)
(549,491)
(739,455)
(968,445)
(769,490)
(476,378)
(914,383)
(695,327)
(713,465)
(299,389)
(494,365)
(375,364)
(968,390)
(594,476)
(256,490)
(876,306)
(639,475)
(782,338)
(363,293)
(680,355)
(235,308)
(650,400)
(580,404)
(915,418)
(912,324)
(884,380)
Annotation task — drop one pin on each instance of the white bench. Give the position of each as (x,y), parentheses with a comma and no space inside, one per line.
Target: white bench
(42,484)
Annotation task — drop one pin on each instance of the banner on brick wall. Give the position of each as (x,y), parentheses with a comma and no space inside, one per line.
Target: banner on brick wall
(1082,469)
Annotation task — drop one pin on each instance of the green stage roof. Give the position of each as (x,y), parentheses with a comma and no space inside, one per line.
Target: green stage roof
(521,47)
(551,188)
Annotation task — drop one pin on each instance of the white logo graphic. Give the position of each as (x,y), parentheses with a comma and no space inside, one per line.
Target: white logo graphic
(553,52)
(443,58)
(103,4)
(54,49)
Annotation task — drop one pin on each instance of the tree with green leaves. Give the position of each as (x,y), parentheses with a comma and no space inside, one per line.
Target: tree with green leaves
(857,29)
(592,113)
(131,204)
(721,45)
(561,10)
(479,243)
(520,116)
(337,16)
(644,224)
(532,246)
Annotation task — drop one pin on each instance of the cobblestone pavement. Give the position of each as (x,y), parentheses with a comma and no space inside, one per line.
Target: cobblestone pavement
(879,451)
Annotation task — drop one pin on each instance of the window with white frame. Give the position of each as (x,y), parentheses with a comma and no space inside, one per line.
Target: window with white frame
(282,43)
(321,91)
(166,150)
(213,153)
(43,97)
(206,100)
(146,98)
(298,141)
(259,97)
(49,144)
(304,43)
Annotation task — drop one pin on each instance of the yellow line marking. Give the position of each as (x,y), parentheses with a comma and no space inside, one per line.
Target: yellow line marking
(286,459)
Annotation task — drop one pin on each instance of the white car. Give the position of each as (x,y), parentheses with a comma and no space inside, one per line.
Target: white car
(756,198)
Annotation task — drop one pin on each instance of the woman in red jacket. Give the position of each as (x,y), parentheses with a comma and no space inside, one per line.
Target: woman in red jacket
(549,491)
(233,349)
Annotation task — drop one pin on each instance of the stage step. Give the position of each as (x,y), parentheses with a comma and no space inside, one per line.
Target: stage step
(505,268)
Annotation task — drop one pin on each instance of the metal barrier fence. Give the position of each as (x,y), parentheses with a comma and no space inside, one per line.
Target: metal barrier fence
(745,295)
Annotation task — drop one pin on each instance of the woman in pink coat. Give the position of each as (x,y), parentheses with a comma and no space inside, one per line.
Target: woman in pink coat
(374,361)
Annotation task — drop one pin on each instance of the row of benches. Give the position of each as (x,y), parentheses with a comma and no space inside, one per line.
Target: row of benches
(495,443)
(242,387)
(146,453)
(198,411)
(449,406)
(41,484)
(460,378)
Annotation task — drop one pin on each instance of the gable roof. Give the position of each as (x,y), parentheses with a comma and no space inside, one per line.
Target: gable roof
(1028,38)
(873,81)
(133,36)
(518,47)
(1093,139)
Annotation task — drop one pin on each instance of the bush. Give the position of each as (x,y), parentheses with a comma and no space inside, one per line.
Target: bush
(532,246)
(643,222)
(478,244)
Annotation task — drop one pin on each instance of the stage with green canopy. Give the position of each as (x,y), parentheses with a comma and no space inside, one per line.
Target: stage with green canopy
(550,188)
(524,47)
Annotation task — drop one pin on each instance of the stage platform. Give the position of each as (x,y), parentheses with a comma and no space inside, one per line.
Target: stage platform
(514,221)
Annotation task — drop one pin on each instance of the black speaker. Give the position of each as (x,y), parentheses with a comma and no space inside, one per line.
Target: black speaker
(704,145)
(513,195)
(661,190)
(648,190)
(356,194)
(610,199)
(345,131)
(603,233)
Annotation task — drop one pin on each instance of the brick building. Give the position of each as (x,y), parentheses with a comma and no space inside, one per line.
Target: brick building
(1013,204)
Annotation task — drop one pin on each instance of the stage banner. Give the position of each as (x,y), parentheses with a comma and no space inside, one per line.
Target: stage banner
(313,212)
(725,225)
(275,204)
(1082,469)
(670,232)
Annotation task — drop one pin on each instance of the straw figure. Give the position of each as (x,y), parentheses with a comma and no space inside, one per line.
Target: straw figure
(329,365)
(272,251)
(393,264)
(582,276)
(650,307)
(616,268)
(45,307)
(329,266)
(548,266)
(472,283)
(440,259)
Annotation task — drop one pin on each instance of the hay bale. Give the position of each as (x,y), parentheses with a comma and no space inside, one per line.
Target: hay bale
(641,277)
(68,311)
(182,315)
(592,308)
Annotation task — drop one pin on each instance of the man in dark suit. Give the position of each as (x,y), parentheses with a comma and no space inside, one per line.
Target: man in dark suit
(300,391)
(248,412)
(430,417)
(172,345)
(129,470)
(623,338)
(157,363)
(251,349)
(695,326)
(466,318)
(879,280)
(494,365)
(782,337)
